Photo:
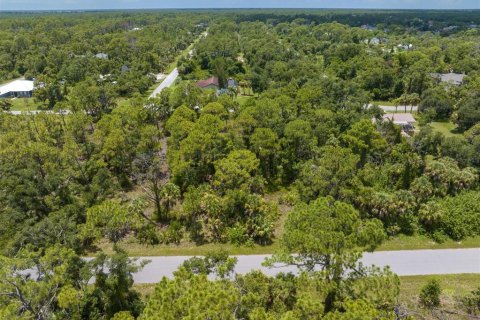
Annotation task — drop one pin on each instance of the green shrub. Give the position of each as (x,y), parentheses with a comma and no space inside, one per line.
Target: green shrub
(430,294)
(461,215)
(173,234)
(237,235)
(147,235)
(471,302)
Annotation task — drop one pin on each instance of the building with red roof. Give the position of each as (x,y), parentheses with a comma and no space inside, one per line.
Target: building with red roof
(210,83)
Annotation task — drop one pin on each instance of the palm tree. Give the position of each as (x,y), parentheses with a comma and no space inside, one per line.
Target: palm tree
(169,194)
(404,98)
(414,100)
(242,84)
(396,102)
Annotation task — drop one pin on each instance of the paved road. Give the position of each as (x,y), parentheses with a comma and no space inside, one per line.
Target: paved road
(399,108)
(17,113)
(414,262)
(167,82)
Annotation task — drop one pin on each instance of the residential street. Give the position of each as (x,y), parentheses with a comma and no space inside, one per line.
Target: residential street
(406,262)
(398,109)
(167,82)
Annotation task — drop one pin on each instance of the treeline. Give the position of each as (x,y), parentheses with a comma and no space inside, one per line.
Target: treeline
(396,20)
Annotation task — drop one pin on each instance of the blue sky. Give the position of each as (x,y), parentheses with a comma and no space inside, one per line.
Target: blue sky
(138,4)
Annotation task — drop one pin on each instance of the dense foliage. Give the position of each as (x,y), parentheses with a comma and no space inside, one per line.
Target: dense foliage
(294,151)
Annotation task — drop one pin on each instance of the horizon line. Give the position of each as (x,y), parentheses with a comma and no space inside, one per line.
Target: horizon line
(236,8)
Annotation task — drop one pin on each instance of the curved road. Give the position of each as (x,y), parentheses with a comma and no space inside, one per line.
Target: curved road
(403,263)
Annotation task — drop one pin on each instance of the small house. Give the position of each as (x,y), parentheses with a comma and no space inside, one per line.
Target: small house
(405,120)
(17,89)
(232,83)
(101,55)
(210,83)
(375,41)
(452,78)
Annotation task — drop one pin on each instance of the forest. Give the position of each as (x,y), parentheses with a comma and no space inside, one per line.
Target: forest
(296,158)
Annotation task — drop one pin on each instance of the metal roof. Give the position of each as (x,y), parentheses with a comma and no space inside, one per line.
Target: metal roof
(16,86)
(399,118)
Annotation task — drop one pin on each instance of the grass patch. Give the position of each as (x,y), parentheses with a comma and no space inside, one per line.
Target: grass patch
(121,101)
(242,100)
(419,242)
(453,286)
(24,104)
(135,249)
(447,128)
(145,289)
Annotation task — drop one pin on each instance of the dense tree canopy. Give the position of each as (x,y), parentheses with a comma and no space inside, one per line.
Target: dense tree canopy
(291,149)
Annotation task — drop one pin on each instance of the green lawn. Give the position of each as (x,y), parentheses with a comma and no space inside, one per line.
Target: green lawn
(447,128)
(242,100)
(185,249)
(24,104)
(418,242)
(453,286)
(122,101)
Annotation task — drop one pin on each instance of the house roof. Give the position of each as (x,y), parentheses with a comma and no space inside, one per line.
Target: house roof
(455,78)
(16,86)
(399,118)
(208,82)
(101,55)
(232,82)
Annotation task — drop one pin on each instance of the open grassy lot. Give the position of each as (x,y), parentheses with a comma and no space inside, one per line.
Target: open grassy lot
(24,104)
(418,242)
(453,286)
(242,100)
(448,128)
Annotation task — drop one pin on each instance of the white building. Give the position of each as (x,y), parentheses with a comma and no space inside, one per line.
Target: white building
(17,88)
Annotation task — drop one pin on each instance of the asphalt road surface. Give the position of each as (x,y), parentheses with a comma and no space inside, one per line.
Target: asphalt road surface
(403,263)
(167,82)
(398,109)
(17,113)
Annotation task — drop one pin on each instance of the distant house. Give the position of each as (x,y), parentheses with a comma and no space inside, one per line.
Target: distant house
(125,68)
(404,47)
(157,76)
(104,76)
(368,27)
(17,89)
(375,41)
(210,83)
(232,83)
(101,55)
(405,120)
(453,78)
